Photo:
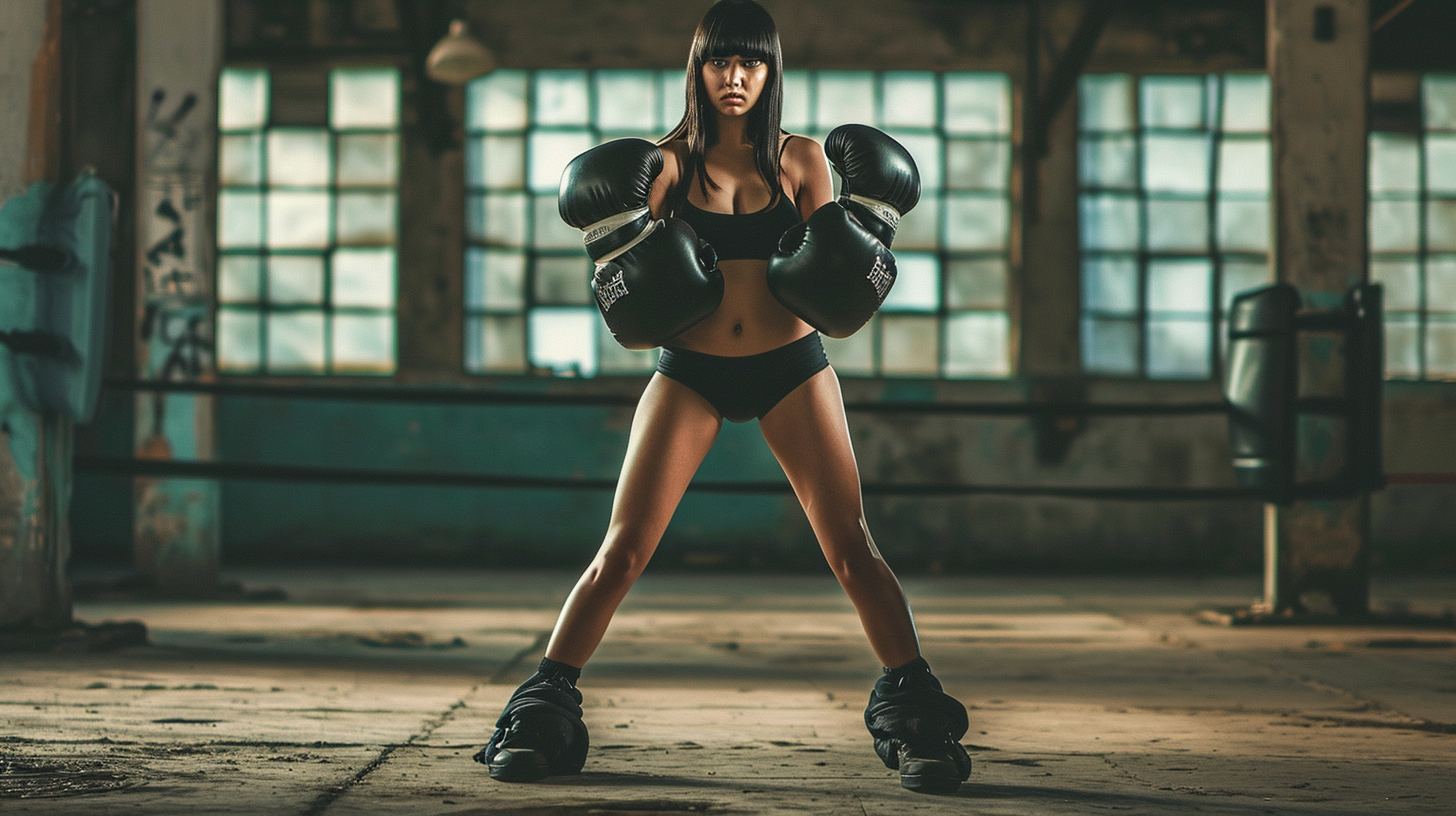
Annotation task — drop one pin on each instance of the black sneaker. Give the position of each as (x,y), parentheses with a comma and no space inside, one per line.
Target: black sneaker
(933,768)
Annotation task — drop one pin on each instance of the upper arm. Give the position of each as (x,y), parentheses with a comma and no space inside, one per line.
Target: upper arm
(808,168)
(672,164)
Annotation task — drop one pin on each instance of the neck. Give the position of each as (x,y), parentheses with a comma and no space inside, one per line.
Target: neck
(732,131)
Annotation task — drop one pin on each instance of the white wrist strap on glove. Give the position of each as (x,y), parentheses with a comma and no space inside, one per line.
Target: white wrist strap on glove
(886,213)
(606,226)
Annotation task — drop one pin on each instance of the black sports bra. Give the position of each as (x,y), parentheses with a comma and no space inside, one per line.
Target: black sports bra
(750,235)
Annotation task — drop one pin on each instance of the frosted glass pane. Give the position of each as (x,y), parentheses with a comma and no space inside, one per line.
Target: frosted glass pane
(1441,164)
(1110,285)
(564,340)
(496,101)
(368,159)
(909,345)
(1395,163)
(551,151)
(920,228)
(363,344)
(366,218)
(296,341)
(908,99)
(496,161)
(1438,92)
(976,345)
(296,279)
(298,220)
(299,157)
(497,218)
(976,223)
(239,340)
(1176,164)
(1245,103)
(239,219)
(976,283)
(240,160)
(1394,226)
(1111,222)
(1242,277)
(550,231)
(363,278)
(561,98)
(925,150)
(1440,350)
(1104,102)
(978,103)
(1402,283)
(1402,348)
(1173,101)
(613,359)
(242,101)
(917,283)
(977,165)
(626,100)
(364,98)
(796,116)
(1108,162)
(1243,166)
(1110,346)
(1441,284)
(1180,286)
(1178,349)
(843,97)
(673,98)
(495,279)
(239,278)
(1441,225)
(1243,226)
(563,280)
(1178,226)
(853,355)
(496,344)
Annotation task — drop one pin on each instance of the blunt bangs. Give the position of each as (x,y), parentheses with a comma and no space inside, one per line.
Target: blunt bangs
(739,30)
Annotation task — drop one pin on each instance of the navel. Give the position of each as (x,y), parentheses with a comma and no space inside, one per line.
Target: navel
(737,329)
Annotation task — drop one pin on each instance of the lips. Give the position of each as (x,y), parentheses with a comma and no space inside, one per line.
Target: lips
(734,97)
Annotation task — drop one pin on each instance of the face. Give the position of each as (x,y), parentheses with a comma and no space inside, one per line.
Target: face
(734,83)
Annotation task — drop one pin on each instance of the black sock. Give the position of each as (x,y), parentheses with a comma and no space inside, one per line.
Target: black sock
(914,667)
(550,668)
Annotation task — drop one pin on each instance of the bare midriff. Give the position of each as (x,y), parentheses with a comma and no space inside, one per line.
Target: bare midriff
(749,320)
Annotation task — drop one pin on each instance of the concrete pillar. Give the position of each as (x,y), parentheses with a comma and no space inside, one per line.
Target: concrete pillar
(35,448)
(1319,73)
(179,54)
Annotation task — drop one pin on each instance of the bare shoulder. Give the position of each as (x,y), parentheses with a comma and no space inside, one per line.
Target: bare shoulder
(801,154)
(806,170)
(674,156)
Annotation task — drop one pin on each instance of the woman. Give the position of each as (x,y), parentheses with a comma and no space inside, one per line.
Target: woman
(740,182)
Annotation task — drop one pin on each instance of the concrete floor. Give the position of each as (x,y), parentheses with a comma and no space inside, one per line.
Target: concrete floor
(367,692)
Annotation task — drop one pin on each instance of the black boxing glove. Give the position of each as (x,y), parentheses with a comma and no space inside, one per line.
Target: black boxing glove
(654,279)
(834,270)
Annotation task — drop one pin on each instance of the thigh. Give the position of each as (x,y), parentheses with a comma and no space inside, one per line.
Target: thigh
(809,436)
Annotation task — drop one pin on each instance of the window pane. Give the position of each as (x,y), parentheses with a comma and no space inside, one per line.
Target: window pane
(626,100)
(917,283)
(1441,349)
(561,98)
(796,111)
(299,157)
(366,218)
(368,159)
(1438,93)
(239,278)
(1441,284)
(976,283)
(1173,101)
(1108,162)
(551,151)
(242,99)
(563,340)
(1242,277)
(909,99)
(497,218)
(975,345)
(1243,166)
(296,279)
(1110,285)
(298,220)
(496,162)
(550,231)
(674,98)
(1243,226)
(977,103)
(1105,103)
(1402,347)
(363,344)
(240,159)
(1245,103)
(296,341)
(497,101)
(910,345)
(920,228)
(1175,164)
(842,97)
(239,340)
(239,219)
(495,279)
(1395,163)
(363,278)
(563,280)
(854,355)
(1178,225)
(364,98)
(1441,164)
(1112,222)
(1110,346)
(496,344)
(1441,225)
(1402,282)
(1394,226)
(1178,349)
(1180,286)
(977,164)
(976,222)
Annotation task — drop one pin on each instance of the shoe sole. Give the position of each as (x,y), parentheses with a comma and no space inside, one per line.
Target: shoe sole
(930,777)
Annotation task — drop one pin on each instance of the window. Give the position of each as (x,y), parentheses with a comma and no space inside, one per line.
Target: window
(1174,177)
(1413,237)
(306,227)
(528,301)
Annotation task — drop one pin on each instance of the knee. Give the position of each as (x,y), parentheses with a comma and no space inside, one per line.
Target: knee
(619,561)
(857,569)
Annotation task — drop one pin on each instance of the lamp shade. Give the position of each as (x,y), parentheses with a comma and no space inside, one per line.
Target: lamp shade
(458,57)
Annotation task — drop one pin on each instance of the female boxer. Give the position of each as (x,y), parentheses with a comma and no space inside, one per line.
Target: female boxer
(739,182)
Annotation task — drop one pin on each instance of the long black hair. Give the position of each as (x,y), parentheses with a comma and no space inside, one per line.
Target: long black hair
(740,28)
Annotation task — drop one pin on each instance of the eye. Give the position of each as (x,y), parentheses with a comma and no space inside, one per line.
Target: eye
(718,62)
(752,63)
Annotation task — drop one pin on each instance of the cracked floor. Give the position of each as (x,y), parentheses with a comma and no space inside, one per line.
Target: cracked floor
(367,692)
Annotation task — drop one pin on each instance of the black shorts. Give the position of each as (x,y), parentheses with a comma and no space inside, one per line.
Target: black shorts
(744,388)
